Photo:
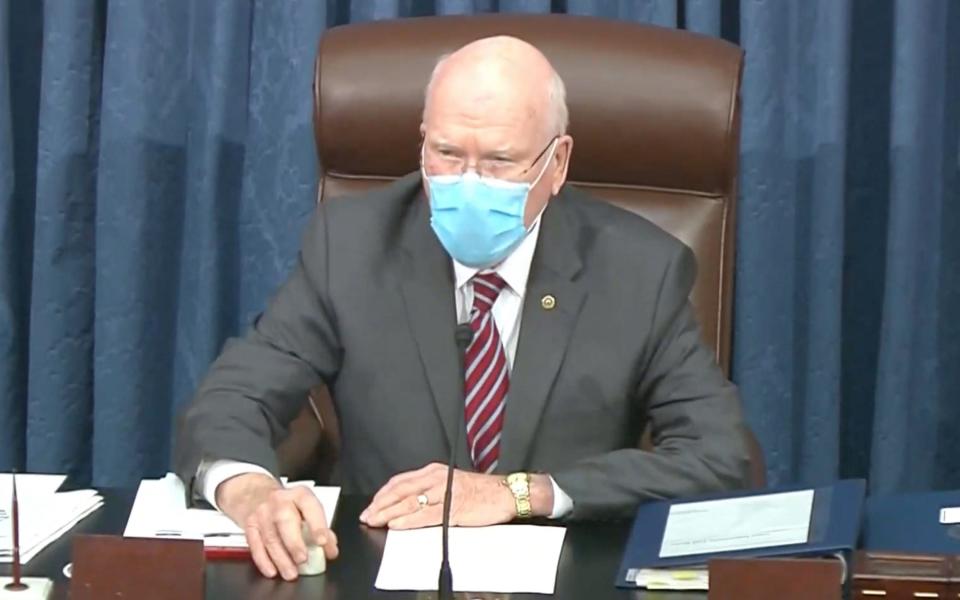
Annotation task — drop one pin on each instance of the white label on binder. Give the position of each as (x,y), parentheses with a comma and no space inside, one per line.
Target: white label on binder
(713,526)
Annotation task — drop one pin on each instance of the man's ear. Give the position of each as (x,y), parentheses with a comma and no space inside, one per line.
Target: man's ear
(562,156)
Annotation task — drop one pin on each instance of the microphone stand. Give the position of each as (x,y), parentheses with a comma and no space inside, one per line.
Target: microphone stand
(464,335)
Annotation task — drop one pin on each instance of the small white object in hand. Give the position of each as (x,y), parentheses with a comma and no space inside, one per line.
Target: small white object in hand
(316,562)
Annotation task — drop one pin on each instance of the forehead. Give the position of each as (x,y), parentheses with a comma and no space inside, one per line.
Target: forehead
(483,127)
(490,109)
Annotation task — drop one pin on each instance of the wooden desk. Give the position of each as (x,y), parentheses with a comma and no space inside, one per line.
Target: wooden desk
(591,555)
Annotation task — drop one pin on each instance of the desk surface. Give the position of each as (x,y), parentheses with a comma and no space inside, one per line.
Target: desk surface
(591,554)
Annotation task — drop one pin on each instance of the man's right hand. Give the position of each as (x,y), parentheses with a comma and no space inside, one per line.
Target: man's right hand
(272,517)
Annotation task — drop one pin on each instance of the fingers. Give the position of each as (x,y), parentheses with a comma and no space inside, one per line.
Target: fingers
(274,544)
(290,527)
(402,497)
(401,507)
(409,513)
(477,499)
(426,516)
(399,494)
(259,551)
(331,547)
(275,531)
(312,512)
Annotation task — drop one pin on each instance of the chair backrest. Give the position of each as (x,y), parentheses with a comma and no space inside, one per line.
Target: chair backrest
(654,114)
(655,117)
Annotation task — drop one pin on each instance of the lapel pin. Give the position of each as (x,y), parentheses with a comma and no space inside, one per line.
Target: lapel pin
(548,302)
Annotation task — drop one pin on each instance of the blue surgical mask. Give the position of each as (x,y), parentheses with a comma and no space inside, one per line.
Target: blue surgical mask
(479,220)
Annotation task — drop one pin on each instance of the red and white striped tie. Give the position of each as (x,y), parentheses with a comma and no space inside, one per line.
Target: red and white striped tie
(487,376)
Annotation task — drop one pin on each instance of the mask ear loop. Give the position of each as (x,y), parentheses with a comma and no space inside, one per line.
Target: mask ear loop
(546,163)
(543,169)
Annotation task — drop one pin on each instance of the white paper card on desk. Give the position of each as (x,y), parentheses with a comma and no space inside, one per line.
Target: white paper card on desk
(506,559)
(732,524)
(159,507)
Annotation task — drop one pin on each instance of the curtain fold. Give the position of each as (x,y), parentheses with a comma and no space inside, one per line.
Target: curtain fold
(917,417)
(790,244)
(62,286)
(157,166)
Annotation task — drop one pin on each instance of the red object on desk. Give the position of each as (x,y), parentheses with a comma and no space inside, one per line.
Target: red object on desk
(214,553)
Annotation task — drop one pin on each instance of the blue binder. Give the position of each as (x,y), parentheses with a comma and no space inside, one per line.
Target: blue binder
(834,528)
(911,523)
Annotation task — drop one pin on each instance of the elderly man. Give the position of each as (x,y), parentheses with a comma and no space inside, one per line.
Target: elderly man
(581,334)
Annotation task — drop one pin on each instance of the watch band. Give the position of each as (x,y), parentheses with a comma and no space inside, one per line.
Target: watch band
(519,486)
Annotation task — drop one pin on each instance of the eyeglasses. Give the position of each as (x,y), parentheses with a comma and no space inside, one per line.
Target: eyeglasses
(451,162)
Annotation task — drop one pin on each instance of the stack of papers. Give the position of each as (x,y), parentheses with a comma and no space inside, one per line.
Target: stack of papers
(505,559)
(160,511)
(45,514)
(670,579)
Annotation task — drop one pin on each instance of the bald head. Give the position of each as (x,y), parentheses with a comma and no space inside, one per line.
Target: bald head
(496,106)
(501,72)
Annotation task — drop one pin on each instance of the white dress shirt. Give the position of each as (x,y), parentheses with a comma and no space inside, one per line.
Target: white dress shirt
(507,311)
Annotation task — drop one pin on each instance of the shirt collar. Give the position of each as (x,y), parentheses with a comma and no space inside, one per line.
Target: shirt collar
(514,269)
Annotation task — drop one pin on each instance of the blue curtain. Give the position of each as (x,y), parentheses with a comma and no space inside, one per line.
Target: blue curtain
(157,165)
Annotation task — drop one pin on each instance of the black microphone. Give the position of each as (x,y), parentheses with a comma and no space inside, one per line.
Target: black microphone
(463,336)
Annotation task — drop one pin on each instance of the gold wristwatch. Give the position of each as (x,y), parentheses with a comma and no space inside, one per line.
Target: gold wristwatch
(519,485)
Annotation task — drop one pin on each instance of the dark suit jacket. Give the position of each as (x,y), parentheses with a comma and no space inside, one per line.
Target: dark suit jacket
(369,309)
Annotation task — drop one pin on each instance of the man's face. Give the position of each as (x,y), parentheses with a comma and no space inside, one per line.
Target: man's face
(499,133)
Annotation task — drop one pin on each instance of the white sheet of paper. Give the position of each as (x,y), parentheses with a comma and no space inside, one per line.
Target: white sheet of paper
(159,510)
(45,514)
(80,511)
(506,559)
(158,507)
(737,524)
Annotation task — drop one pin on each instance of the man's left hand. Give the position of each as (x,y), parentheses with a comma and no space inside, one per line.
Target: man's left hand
(478,499)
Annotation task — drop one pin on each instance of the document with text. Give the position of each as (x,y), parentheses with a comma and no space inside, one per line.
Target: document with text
(735,524)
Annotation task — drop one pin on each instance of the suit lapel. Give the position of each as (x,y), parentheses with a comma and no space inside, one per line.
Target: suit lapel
(427,292)
(544,332)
